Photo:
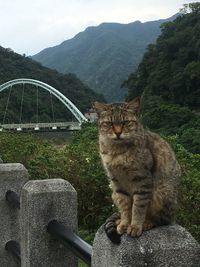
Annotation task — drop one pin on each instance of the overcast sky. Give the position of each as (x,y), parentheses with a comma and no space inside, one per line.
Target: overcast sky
(29,26)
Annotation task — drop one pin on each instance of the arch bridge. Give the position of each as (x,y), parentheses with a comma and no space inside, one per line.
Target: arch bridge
(69,105)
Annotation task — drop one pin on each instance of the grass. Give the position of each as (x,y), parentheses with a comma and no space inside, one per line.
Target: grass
(82,264)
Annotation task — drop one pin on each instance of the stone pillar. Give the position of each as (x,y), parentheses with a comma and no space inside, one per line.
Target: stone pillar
(41,202)
(162,246)
(12,177)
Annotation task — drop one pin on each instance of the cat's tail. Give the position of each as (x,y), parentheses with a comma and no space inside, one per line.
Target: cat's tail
(111,229)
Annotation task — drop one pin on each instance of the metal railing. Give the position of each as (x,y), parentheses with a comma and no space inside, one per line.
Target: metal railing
(14,248)
(66,236)
(70,126)
(71,241)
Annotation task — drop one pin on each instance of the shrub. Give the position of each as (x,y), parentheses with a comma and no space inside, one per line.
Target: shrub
(189,210)
(78,162)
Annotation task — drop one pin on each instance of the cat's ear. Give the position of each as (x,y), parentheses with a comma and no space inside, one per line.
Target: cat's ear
(135,105)
(99,107)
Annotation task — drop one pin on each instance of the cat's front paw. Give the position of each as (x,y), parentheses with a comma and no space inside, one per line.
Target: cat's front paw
(148,226)
(122,227)
(134,230)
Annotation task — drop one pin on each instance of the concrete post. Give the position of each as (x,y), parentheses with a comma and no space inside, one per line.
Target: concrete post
(12,177)
(162,246)
(41,202)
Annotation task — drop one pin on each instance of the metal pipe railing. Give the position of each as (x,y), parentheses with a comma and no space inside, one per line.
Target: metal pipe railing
(13,198)
(14,248)
(73,242)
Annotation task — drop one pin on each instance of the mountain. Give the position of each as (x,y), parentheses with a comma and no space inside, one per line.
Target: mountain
(104,55)
(13,66)
(168,78)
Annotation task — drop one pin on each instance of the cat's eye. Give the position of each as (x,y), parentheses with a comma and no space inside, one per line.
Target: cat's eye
(106,124)
(129,123)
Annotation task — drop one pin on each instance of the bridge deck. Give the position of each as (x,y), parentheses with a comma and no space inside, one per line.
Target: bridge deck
(41,126)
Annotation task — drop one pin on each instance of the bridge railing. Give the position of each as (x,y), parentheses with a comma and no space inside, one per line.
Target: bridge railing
(37,126)
(40,224)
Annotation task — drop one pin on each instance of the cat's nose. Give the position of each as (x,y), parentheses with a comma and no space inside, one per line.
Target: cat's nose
(118,135)
(117,131)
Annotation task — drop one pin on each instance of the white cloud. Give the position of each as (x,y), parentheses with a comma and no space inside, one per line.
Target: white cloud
(30,26)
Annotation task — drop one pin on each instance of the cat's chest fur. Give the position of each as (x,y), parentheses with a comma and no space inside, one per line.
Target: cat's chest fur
(126,165)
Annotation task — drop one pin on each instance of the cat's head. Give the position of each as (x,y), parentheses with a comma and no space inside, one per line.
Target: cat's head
(119,121)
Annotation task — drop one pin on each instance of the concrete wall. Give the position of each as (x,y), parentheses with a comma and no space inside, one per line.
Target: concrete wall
(12,177)
(41,201)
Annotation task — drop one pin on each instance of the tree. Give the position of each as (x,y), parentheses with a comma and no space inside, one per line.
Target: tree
(168,78)
(190,8)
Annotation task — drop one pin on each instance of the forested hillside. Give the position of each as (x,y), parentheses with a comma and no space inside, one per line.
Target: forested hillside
(103,56)
(14,66)
(169,79)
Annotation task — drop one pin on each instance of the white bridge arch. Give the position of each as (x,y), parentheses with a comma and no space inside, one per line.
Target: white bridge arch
(75,111)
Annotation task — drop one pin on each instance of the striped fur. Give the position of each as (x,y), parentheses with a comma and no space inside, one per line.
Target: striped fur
(142,168)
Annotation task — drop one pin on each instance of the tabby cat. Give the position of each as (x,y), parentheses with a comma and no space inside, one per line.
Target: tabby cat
(141,166)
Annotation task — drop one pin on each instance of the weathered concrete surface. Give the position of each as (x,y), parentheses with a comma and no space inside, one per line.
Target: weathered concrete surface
(12,177)
(41,202)
(165,246)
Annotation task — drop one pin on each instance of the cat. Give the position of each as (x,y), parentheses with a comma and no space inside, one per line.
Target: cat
(142,168)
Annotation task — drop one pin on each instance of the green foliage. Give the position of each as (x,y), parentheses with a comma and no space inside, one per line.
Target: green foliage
(14,66)
(168,78)
(77,162)
(82,264)
(19,147)
(162,116)
(170,68)
(189,210)
(191,8)
(190,139)
(89,178)
(87,235)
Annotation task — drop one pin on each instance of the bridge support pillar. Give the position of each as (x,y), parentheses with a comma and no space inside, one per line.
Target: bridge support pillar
(12,177)
(41,202)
